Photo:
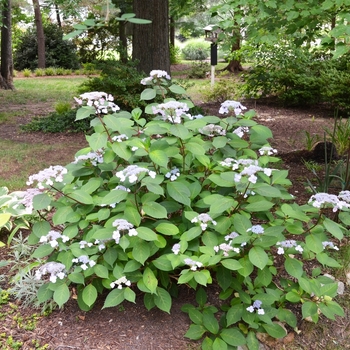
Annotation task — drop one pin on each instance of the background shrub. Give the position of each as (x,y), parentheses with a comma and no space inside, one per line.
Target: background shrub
(196,49)
(59,52)
(199,70)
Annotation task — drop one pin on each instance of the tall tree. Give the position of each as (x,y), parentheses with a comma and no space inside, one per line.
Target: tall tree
(151,41)
(40,34)
(6,69)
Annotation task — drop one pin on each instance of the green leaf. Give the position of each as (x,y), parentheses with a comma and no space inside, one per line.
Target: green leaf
(139,21)
(195,316)
(129,295)
(219,344)
(176,89)
(141,252)
(275,330)
(162,299)
(114,298)
(333,228)
(201,277)
(224,276)
(150,280)
(81,197)
(179,192)
(42,251)
(44,293)
(241,223)
(259,206)
(252,341)
(195,332)
(233,337)
(231,264)
(76,277)
(210,322)
(314,243)
(258,257)
(180,131)
(61,294)
(92,185)
(324,259)
(285,315)
(100,271)
(40,201)
(146,233)
(97,141)
(148,94)
(294,267)
(167,229)
(234,314)
(84,112)
(155,210)
(89,295)
(309,308)
(267,190)
(159,157)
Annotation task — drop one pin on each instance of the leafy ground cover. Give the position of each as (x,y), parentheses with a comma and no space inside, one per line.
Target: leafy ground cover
(130,326)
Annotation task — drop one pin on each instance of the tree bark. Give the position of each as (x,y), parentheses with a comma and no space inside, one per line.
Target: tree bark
(6,69)
(40,34)
(151,41)
(235,66)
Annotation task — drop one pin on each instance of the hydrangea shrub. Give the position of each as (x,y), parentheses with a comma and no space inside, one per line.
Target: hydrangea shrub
(163,198)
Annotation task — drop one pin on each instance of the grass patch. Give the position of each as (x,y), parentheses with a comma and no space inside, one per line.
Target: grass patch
(36,90)
(19,160)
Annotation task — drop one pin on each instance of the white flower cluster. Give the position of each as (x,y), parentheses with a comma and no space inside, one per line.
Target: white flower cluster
(289,243)
(84,261)
(122,226)
(257,229)
(27,198)
(172,111)
(241,130)
(119,282)
(250,168)
(330,245)
(154,74)
(120,138)
(256,306)
(93,157)
(227,247)
(212,130)
(193,264)
(122,188)
(198,116)
(203,219)
(176,248)
(48,176)
(100,100)
(267,151)
(132,171)
(228,106)
(52,238)
(322,199)
(345,196)
(84,244)
(55,269)
(173,174)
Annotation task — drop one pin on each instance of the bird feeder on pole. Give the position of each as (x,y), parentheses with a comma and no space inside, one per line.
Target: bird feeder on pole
(212,34)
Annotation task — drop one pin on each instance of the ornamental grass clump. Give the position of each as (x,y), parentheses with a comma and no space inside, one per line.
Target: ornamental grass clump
(163,198)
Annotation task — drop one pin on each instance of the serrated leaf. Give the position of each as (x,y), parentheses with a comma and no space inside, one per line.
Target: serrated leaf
(162,299)
(234,314)
(81,197)
(233,337)
(231,264)
(40,201)
(146,233)
(97,140)
(141,252)
(210,322)
(100,271)
(294,267)
(309,308)
(114,298)
(61,294)
(148,94)
(258,257)
(84,112)
(195,332)
(129,295)
(150,280)
(42,251)
(275,330)
(44,293)
(179,192)
(155,210)
(333,228)
(167,229)
(89,295)
(219,344)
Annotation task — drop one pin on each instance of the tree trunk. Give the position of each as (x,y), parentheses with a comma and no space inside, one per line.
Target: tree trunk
(151,41)
(172,31)
(58,17)
(235,66)
(123,42)
(6,78)
(40,34)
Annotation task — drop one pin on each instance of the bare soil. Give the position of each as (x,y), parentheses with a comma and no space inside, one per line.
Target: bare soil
(131,326)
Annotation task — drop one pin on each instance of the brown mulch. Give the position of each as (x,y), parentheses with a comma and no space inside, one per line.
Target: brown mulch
(131,326)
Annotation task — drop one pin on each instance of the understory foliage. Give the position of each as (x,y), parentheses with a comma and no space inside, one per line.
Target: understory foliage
(59,52)
(163,198)
(297,76)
